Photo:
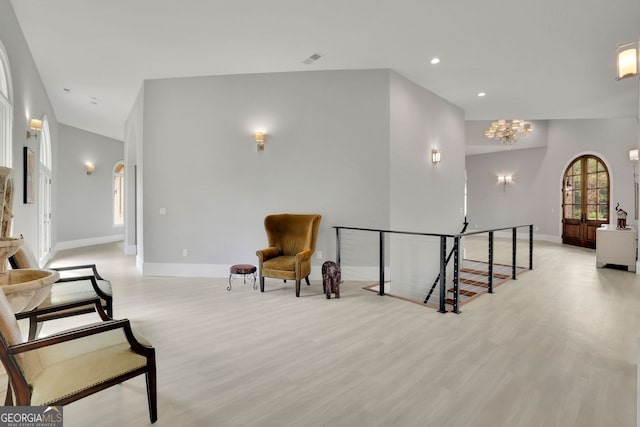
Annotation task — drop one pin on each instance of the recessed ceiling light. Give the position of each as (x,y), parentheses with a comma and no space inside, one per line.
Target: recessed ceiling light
(481,94)
(435,61)
(313,58)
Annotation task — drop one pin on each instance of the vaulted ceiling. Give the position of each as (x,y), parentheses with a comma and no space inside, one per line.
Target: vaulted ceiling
(535,60)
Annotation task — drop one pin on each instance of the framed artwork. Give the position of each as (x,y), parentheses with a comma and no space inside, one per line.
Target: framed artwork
(29,175)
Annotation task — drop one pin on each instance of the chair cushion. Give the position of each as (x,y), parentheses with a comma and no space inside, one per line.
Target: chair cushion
(242,269)
(286,263)
(93,360)
(66,292)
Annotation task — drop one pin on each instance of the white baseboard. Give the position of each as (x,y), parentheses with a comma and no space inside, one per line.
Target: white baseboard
(70,244)
(185,270)
(525,236)
(222,271)
(130,249)
(48,257)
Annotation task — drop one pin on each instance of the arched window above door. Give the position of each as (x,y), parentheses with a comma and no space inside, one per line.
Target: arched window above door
(585,202)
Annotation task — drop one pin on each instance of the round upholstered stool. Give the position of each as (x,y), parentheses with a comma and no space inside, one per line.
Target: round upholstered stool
(244,270)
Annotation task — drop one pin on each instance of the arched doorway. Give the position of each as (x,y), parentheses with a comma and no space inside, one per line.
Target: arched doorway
(585,202)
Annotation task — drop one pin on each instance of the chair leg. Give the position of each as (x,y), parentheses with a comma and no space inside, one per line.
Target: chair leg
(8,399)
(34,328)
(307,279)
(110,307)
(297,287)
(261,283)
(151,392)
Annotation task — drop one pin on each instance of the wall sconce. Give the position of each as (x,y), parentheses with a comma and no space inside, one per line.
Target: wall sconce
(633,155)
(504,180)
(35,127)
(259,137)
(90,168)
(627,60)
(435,156)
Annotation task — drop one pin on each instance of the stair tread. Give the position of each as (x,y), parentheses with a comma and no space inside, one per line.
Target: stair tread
(484,273)
(465,292)
(474,282)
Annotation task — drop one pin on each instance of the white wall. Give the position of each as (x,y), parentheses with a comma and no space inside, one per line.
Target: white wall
(133,146)
(326,151)
(424,197)
(85,202)
(29,101)
(535,195)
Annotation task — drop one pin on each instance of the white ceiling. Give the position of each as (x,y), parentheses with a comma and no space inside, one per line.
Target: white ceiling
(536,60)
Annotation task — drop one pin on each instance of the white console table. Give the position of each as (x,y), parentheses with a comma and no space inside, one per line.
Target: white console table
(616,246)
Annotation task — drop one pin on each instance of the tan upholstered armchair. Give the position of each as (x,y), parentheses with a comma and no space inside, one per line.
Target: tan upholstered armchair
(70,365)
(84,285)
(292,242)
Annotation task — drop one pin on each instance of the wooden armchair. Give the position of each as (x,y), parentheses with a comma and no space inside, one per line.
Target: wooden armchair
(65,291)
(70,365)
(292,241)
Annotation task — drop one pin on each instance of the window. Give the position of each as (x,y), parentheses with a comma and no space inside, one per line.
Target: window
(118,194)
(6,110)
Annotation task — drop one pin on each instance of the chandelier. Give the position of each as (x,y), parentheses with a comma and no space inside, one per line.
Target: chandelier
(507,131)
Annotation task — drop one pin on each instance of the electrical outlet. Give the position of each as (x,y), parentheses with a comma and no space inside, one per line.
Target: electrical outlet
(184,252)
(163,211)
(319,254)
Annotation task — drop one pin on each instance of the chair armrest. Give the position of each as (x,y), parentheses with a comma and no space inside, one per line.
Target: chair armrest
(81,267)
(267,254)
(66,306)
(304,255)
(83,332)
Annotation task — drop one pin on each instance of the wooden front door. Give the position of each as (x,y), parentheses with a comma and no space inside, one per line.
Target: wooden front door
(585,201)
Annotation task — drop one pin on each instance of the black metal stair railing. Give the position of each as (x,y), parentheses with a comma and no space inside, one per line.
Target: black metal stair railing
(444,258)
(435,282)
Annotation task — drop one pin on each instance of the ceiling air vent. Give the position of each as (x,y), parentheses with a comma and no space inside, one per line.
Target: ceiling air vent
(313,58)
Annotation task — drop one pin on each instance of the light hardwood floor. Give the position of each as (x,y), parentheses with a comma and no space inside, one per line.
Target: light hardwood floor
(557,347)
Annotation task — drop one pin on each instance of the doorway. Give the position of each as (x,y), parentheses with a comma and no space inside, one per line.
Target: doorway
(585,201)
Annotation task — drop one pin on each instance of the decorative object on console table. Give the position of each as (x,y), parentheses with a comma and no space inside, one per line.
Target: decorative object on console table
(29,174)
(616,247)
(622,217)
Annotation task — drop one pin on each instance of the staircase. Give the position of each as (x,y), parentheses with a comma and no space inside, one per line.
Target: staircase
(474,280)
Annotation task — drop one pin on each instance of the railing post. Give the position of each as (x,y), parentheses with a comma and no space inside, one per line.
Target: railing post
(381,263)
(338,245)
(490,262)
(443,274)
(456,273)
(531,247)
(513,268)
